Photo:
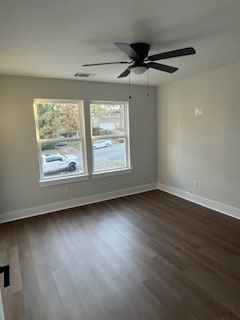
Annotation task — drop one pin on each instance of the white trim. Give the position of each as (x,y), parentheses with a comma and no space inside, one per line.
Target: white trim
(66,179)
(205,202)
(39,100)
(104,174)
(57,206)
(2,317)
(108,102)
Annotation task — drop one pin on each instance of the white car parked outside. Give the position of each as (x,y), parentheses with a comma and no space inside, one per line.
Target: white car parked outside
(102,144)
(57,162)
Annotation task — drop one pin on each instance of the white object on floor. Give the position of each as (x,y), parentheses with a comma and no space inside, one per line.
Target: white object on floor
(1,308)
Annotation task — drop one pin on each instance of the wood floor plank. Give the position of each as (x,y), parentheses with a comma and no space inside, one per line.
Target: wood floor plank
(16,278)
(13,305)
(146,256)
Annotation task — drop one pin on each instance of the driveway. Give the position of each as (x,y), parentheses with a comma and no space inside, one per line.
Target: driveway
(112,157)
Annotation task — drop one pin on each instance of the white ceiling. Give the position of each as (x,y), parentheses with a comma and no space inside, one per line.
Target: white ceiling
(53,38)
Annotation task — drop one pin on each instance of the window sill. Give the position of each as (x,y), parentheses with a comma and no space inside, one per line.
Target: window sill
(63,180)
(111,173)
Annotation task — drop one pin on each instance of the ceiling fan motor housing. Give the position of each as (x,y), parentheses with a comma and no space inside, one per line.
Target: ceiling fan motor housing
(141,49)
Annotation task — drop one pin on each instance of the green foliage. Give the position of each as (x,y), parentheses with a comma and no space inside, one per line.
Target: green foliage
(97,131)
(120,163)
(57,120)
(49,146)
(97,111)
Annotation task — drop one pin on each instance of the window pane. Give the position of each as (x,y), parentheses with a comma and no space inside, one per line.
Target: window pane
(62,158)
(107,119)
(58,120)
(109,154)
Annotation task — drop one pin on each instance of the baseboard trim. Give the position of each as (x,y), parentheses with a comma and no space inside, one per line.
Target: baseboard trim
(67,204)
(205,202)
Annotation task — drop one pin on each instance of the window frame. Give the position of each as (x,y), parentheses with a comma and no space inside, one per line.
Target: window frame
(54,180)
(126,136)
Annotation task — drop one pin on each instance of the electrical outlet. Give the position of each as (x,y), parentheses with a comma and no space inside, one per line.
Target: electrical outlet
(67,189)
(195,184)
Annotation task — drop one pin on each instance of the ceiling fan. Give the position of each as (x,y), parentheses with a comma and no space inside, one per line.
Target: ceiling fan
(138,53)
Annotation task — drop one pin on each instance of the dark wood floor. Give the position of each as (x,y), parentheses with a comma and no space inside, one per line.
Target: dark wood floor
(147,256)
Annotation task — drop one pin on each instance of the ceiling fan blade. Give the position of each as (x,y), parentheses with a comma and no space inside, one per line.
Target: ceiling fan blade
(105,63)
(125,73)
(172,54)
(161,67)
(126,48)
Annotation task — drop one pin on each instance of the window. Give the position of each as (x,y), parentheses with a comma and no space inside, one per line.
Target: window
(61,139)
(60,132)
(110,136)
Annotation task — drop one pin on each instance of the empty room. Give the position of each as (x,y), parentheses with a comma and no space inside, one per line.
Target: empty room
(119,160)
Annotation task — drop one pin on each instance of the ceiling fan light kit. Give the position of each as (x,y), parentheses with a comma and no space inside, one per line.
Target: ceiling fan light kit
(139,69)
(141,61)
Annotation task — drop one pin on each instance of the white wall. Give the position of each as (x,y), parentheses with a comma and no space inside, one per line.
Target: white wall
(19,175)
(204,149)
